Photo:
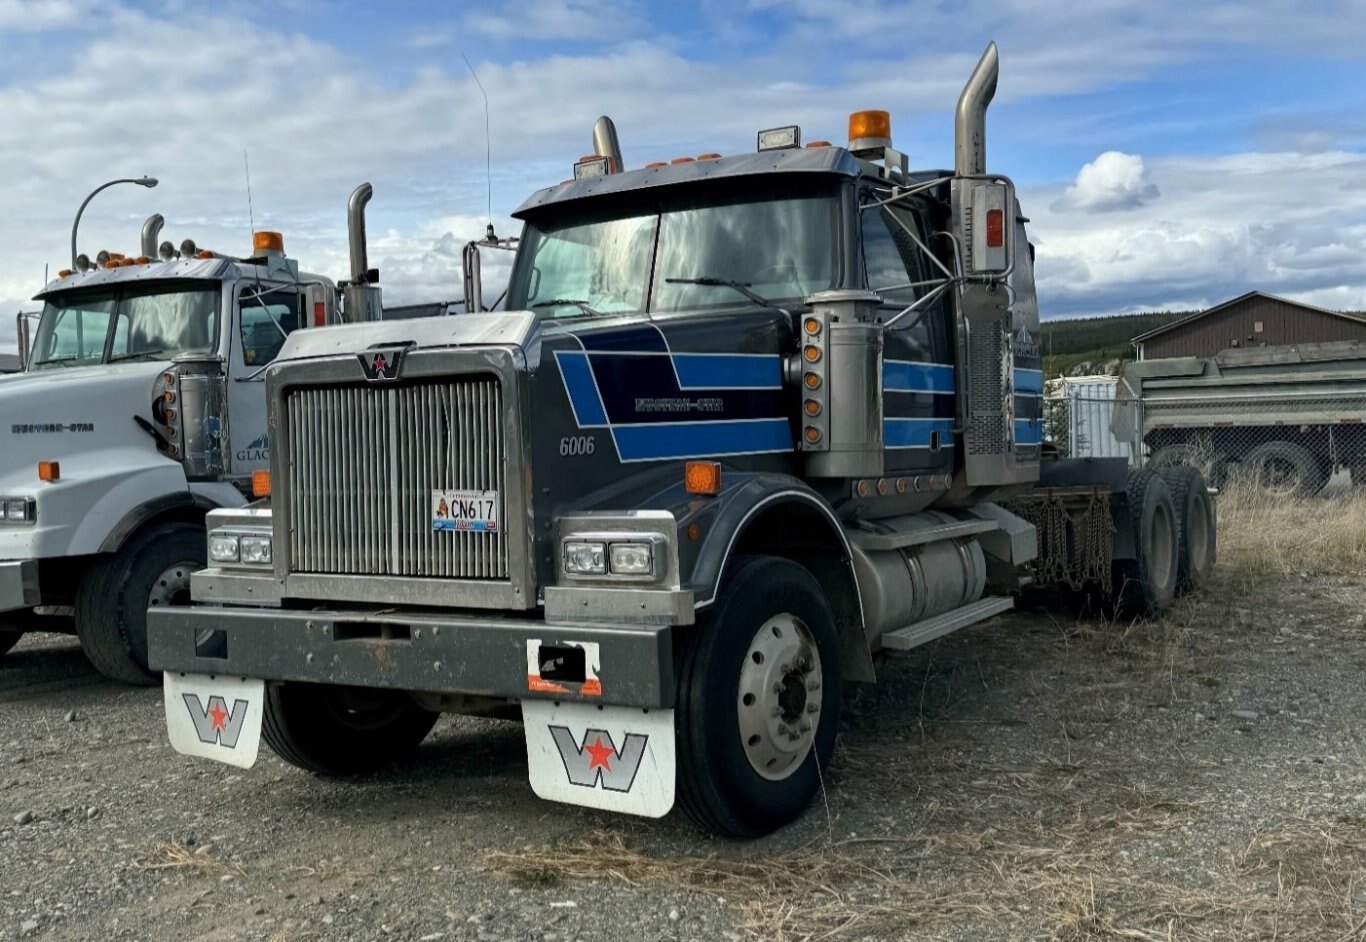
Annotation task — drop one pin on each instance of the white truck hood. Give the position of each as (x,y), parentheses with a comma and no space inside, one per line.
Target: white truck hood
(73,416)
(81,417)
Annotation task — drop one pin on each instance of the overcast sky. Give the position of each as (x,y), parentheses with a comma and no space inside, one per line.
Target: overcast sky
(1170,154)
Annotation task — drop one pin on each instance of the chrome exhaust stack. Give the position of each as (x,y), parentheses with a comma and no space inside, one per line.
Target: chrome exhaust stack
(970,120)
(606,144)
(362,293)
(150,230)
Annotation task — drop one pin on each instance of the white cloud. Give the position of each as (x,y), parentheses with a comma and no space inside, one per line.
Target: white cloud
(1224,226)
(1112,181)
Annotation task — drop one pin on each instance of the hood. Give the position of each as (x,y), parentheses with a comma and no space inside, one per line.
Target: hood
(521,329)
(71,415)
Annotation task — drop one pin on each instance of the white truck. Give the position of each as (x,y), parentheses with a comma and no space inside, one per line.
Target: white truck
(141,407)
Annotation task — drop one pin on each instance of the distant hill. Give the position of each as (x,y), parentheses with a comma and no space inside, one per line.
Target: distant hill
(1096,341)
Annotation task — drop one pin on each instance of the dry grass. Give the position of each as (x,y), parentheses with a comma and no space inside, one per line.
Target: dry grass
(169,855)
(1016,878)
(1262,535)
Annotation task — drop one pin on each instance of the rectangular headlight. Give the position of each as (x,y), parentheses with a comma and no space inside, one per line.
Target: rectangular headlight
(223,547)
(632,559)
(255,550)
(584,558)
(18,509)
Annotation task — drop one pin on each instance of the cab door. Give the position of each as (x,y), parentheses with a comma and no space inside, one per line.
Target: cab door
(264,315)
(917,369)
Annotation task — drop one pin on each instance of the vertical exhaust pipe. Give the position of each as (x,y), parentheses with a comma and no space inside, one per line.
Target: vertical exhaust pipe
(970,121)
(355,231)
(150,230)
(605,143)
(362,298)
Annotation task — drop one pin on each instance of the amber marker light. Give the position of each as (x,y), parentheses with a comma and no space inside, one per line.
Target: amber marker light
(812,407)
(260,484)
(812,380)
(863,124)
(702,477)
(812,326)
(49,470)
(812,354)
(813,434)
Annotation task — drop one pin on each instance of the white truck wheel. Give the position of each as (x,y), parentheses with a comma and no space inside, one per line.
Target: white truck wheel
(114,595)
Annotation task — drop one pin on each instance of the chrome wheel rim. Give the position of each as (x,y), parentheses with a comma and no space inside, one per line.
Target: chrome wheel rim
(779,697)
(172,587)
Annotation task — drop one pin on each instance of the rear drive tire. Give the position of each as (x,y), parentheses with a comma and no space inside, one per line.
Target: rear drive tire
(1146,586)
(759,700)
(1284,469)
(114,595)
(1196,521)
(336,730)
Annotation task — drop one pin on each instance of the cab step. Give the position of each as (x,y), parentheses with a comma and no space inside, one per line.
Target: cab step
(903,639)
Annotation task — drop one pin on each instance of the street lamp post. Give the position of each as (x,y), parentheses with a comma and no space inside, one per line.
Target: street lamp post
(141,181)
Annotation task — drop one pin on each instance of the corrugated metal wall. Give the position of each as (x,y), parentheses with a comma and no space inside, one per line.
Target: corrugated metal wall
(1282,322)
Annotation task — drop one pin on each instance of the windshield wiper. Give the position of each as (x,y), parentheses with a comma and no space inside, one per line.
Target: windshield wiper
(150,354)
(581,305)
(60,361)
(709,282)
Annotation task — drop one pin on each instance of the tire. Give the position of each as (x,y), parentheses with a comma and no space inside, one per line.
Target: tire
(771,625)
(1284,469)
(1145,586)
(1213,465)
(335,730)
(1196,522)
(114,595)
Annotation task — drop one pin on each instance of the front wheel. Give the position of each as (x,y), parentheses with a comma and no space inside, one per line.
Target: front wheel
(759,700)
(115,594)
(335,730)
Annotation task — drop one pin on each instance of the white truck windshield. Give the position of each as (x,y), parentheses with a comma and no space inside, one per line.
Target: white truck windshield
(143,322)
(692,255)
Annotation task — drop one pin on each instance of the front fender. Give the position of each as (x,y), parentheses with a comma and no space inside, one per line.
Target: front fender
(78,514)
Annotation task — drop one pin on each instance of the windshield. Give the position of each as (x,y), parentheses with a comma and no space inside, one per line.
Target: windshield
(775,246)
(142,322)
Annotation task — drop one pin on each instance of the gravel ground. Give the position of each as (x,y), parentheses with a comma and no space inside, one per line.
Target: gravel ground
(1035,777)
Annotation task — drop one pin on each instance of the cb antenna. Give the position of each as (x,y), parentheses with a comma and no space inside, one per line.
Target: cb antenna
(488,140)
(251,214)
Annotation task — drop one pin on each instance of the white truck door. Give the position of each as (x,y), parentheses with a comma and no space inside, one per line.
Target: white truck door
(265,314)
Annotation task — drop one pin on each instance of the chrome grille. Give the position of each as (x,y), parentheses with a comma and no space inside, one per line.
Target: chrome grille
(363,462)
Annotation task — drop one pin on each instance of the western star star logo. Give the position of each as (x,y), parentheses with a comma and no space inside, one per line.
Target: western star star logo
(216,723)
(596,760)
(380,366)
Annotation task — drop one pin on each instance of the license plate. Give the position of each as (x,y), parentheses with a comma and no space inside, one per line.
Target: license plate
(613,758)
(465,510)
(215,717)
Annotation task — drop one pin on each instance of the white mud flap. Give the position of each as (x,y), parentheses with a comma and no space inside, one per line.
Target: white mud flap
(215,717)
(613,758)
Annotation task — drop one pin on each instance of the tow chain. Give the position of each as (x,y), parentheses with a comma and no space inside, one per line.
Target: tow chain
(1076,543)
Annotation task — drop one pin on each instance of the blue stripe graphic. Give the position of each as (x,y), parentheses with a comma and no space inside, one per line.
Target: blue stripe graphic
(909,376)
(728,371)
(1028,431)
(1029,382)
(915,433)
(698,439)
(583,392)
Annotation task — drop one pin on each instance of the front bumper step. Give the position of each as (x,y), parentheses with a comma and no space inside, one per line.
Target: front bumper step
(436,653)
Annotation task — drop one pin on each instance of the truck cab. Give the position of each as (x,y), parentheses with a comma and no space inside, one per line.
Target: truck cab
(140,408)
